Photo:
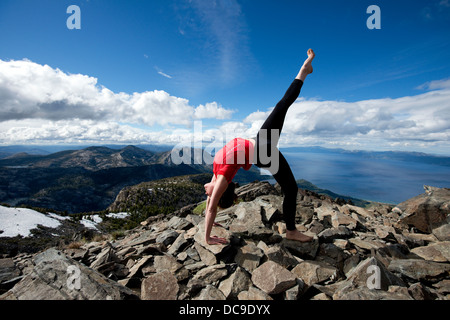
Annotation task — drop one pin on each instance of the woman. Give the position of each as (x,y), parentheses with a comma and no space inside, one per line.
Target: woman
(241,153)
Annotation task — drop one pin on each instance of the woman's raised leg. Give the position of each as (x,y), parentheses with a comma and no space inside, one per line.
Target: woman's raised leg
(275,120)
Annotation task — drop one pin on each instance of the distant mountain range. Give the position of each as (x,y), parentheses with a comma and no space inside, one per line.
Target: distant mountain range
(91,158)
(43,150)
(392,155)
(89,179)
(6,151)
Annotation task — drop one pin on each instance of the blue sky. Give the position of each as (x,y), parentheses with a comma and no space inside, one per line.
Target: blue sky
(147,71)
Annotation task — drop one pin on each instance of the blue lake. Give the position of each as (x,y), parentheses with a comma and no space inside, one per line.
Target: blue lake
(382,180)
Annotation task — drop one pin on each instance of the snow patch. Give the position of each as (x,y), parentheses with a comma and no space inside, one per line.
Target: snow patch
(119,215)
(20,221)
(89,223)
(57,216)
(92,220)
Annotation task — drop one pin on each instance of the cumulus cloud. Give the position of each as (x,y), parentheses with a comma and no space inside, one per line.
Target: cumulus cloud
(36,131)
(418,120)
(32,91)
(435,84)
(40,104)
(212,110)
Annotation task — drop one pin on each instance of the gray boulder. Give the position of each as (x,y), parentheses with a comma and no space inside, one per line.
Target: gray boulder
(420,270)
(427,211)
(272,278)
(239,281)
(255,189)
(160,286)
(249,257)
(57,277)
(369,274)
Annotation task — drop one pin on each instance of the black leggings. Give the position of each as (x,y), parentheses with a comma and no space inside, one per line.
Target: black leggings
(269,157)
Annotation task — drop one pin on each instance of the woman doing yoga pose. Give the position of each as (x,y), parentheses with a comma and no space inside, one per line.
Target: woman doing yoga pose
(242,153)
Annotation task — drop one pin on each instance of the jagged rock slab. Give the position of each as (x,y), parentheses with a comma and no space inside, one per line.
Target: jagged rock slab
(312,272)
(272,278)
(179,223)
(367,244)
(239,281)
(248,214)
(272,207)
(443,286)
(365,293)
(428,210)
(160,286)
(207,257)
(438,252)
(364,275)
(253,190)
(216,231)
(249,257)
(420,292)
(210,293)
(281,255)
(420,269)
(167,237)
(330,234)
(50,280)
(253,294)
(9,274)
(211,274)
(349,209)
(303,250)
(443,232)
(8,270)
(141,238)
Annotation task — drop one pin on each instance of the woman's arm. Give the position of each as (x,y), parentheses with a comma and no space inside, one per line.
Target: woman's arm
(209,187)
(220,186)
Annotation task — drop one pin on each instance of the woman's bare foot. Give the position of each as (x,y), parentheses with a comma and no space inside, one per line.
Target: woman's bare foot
(307,66)
(216,240)
(298,236)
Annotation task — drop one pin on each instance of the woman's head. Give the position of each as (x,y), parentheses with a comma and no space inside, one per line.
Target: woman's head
(228,197)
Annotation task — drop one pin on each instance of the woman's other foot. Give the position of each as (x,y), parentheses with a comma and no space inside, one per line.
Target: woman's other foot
(307,66)
(298,236)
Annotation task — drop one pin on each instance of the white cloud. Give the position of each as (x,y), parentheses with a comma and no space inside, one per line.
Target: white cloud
(39,104)
(36,131)
(212,110)
(32,91)
(412,121)
(436,84)
(160,72)
(164,74)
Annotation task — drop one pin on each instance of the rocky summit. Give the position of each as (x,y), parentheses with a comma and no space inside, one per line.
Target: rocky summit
(382,252)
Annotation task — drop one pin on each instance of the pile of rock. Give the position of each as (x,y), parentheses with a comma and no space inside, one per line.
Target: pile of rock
(376,253)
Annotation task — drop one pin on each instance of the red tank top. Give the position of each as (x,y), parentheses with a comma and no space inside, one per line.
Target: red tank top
(233,156)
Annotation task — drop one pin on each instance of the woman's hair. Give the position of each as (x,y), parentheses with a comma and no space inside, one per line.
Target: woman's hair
(228,197)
